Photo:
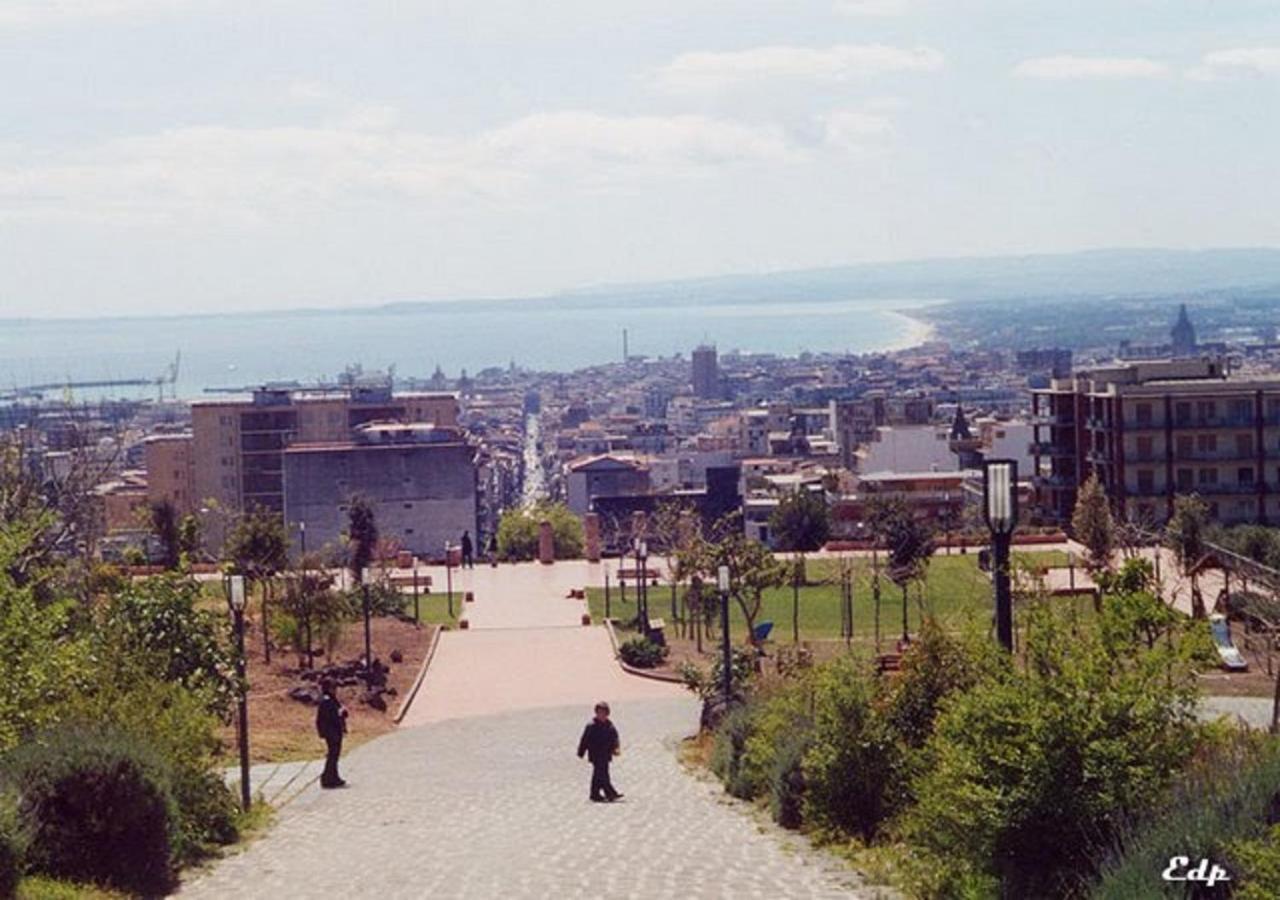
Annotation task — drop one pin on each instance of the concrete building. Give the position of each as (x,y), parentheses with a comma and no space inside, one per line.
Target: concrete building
(238,444)
(706,373)
(1153,430)
(170,463)
(421,480)
(607,475)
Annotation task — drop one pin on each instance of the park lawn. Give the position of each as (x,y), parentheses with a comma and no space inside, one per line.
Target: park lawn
(955,592)
(433,609)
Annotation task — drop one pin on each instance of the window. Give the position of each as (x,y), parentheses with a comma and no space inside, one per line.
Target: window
(1185,445)
(1143,412)
(1182,413)
(1244,445)
(1146,481)
(1242,410)
(1206,443)
(1206,410)
(1207,476)
(1244,475)
(1146,448)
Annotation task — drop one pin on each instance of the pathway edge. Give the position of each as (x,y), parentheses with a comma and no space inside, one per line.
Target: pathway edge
(422,674)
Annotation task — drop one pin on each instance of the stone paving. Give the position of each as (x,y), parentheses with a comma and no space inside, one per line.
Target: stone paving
(480,793)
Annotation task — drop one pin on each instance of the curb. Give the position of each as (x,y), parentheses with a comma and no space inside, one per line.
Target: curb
(422,674)
(651,674)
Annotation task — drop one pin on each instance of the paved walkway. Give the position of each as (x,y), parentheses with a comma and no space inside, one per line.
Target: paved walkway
(480,794)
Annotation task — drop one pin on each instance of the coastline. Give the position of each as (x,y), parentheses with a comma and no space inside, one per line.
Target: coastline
(919,331)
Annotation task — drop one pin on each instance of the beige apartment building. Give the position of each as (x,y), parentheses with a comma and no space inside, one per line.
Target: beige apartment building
(237,446)
(1154,430)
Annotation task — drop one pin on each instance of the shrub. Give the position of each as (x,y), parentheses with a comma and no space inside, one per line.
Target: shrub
(851,769)
(642,653)
(99,806)
(518,531)
(1220,809)
(727,752)
(12,843)
(777,715)
(787,781)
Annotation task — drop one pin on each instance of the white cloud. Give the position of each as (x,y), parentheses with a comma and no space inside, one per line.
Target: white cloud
(854,129)
(711,71)
(1090,68)
(31,13)
(247,175)
(871,7)
(1237,61)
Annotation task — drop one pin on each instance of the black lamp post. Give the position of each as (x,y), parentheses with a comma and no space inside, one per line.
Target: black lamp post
(303,587)
(606,592)
(368,637)
(417,615)
(1000,509)
(642,583)
(236,600)
(448,573)
(726,662)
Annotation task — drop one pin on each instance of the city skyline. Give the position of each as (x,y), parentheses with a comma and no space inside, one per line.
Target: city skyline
(182,157)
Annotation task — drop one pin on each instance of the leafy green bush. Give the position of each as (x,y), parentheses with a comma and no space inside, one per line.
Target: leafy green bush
(778,713)
(518,531)
(852,767)
(787,781)
(1029,771)
(1220,809)
(13,843)
(728,749)
(642,653)
(99,806)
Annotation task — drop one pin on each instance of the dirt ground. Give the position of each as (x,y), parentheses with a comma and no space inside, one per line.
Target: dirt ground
(283,729)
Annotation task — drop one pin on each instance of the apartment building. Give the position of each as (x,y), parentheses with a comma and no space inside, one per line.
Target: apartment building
(238,444)
(420,479)
(1152,430)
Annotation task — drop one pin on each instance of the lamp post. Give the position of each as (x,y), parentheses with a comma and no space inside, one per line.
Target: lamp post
(236,600)
(1000,509)
(417,615)
(368,638)
(306,616)
(726,662)
(448,573)
(606,592)
(642,584)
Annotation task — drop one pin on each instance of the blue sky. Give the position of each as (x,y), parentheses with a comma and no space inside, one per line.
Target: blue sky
(194,155)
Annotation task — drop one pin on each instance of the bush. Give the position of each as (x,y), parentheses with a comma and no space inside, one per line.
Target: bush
(518,531)
(642,653)
(728,750)
(787,781)
(1220,809)
(99,806)
(852,768)
(12,843)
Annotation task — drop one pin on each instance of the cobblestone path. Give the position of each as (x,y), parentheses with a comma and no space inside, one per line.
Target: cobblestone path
(480,794)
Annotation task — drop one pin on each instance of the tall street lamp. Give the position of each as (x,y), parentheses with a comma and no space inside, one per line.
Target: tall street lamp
(642,584)
(368,637)
(448,573)
(236,600)
(305,589)
(417,616)
(726,661)
(1000,509)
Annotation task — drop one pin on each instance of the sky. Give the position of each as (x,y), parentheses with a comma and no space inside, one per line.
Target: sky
(176,156)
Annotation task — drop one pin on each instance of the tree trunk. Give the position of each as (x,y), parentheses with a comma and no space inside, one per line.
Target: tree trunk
(266,623)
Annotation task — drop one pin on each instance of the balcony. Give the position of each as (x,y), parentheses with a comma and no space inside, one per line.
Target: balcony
(1059,420)
(1057,481)
(1214,422)
(1216,456)
(1058,448)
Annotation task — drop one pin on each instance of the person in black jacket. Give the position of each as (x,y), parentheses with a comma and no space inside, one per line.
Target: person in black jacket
(600,745)
(331,724)
(468,551)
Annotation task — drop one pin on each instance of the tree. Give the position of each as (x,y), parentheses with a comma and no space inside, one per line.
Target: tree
(313,607)
(1185,536)
(908,542)
(1093,526)
(258,548)
(362,537)
(189,536)
(676,526)
(801,522)
(164,525)
(519,527)
(752,571)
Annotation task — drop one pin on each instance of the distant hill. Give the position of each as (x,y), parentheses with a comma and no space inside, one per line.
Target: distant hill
(1095,272)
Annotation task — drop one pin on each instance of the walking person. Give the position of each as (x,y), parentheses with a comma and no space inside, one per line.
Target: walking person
(493,550)
(468,557)
(600,745)
(331,724)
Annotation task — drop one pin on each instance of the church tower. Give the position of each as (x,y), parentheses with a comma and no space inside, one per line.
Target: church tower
(1183,335)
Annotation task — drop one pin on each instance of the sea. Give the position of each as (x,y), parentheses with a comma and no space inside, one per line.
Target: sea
(228,351)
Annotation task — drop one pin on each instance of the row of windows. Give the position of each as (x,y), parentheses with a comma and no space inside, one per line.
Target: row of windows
(1239,409)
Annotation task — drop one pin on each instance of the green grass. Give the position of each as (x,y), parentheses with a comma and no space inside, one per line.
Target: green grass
(433,608)
(955,592)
